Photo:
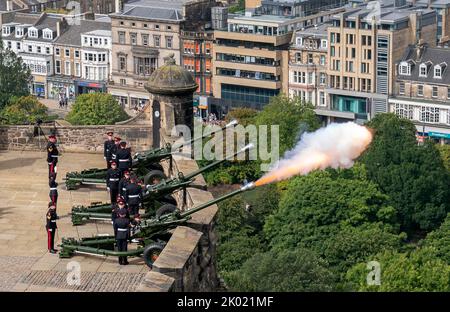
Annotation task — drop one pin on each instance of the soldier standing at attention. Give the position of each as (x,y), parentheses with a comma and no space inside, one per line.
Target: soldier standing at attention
(115,148)
(112,181)
(51,227)
(133,196)
(123,183)
(107,149)
(124,158)
(52,155)
(53,189)
(122,234)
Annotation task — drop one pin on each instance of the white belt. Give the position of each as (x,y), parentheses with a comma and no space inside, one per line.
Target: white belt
(122,230)
(53,220)
(113,179)
(123,160)
(133,196)
(124,189)
(55,156)
(53,189)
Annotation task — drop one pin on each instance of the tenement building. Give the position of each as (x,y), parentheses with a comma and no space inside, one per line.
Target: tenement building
(422,91)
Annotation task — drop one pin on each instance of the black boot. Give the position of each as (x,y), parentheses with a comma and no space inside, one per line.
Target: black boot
(125,261)
(120,261)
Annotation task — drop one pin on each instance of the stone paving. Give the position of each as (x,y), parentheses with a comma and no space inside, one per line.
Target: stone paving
(25,264)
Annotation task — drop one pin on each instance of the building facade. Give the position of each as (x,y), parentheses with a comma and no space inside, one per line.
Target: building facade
(308,65)
(422,91)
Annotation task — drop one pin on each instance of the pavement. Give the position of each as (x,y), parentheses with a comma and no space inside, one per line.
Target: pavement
(25,264)
(54,109)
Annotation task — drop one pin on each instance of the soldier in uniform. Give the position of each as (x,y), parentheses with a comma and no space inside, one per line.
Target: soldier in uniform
(133,196)
(107,149)
(112,181)
(52,155)
(53,189)
(123,183)
(51,227)
(124,157)
(122,234)
(115,148)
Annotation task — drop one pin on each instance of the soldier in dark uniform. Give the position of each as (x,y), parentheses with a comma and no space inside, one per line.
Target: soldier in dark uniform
(112,181)
(122,234)
(124,157)
(115,148)
(51,227)
(52,155)
(133,196)
(107,149)
(53,189)
(123,183)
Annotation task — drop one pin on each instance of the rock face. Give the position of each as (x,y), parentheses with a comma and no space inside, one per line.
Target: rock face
(173,87)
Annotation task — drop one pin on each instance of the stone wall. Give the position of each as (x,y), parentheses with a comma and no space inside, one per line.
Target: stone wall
(75,138)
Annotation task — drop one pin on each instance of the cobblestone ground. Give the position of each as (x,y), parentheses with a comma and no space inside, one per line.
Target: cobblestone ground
(25,264)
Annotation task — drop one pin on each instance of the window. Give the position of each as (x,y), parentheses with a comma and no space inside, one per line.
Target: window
(322,79)
(58,67)
(19,32)
(322,60)
(156,40)
(423,70)
(144,65)
(122,62)
(57,52)
(6,31)
(169,42)
(401,88)
(30,48)
(323,44)
(133,37)
(77,69)
(310,78)
(169,27)
(437,71)
(145,40)
(298,57)
(448,92)
(77,53)
(48,34)
(121,37)
(33,33)
(67,70)
(39,49)
(420,90)
(322,99)
(404,111)
(310,58)
(429,114)
(123,82)
(67,52)
(133,24)
(145,25)
(156,26)
(435,92)
(404,69)
(47,50)
(18,45)
(9,45)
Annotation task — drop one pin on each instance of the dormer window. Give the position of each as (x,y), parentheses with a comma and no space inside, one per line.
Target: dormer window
(423,69)
(299,41)
(19,32)
(48,34)
(323,44)
(405,68)
(439,70)
(6,30)
(32,33)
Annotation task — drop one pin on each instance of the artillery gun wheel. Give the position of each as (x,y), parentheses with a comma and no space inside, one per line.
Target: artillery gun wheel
(151,253)
(165,209)
(156,166)
(169,199)
(152,175)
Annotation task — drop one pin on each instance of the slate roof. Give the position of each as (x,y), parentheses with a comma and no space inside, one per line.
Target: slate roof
(435,56)
(72,36)
(170,10)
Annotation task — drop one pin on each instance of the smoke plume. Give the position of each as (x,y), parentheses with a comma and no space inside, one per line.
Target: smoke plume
(335,146)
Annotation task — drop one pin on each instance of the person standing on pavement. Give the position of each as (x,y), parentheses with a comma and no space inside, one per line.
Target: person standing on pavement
(122,234)
(108,147)
(112,181)
(124,158)
(52,155)
(51,227)
(133,196)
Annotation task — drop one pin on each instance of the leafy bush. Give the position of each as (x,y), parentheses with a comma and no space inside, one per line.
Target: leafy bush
(440,240)
(24,110)
(245,116)
(96,109)
(287,270)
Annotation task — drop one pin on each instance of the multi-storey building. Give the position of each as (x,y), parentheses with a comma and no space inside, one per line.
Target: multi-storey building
(32,37)
(144,33)
(251,57)
(422,91)
(82,59)
(362,52)
(80,6)
(308,65)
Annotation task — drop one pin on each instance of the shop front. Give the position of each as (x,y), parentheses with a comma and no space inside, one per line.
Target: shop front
(59,87)
(86,87)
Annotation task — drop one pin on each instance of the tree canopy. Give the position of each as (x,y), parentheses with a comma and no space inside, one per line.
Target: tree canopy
(96,109)
(14,76)
(413,176)
(24,110)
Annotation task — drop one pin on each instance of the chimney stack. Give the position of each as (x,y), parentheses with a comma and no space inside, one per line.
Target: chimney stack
(118,6)
(9,5)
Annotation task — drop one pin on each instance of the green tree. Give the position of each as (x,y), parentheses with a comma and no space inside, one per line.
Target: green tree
(14,76)
(412,176)
(420,270)
(316,207)
(287,270)
(24,110)
(96,109)
(440,240)
(291,115)
(245,116)
(445,154)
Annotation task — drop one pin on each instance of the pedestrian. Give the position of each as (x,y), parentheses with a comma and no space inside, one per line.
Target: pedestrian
(112,181)
(123,183)
(133,196)
(123,156)
(51,227)
(52,155)
(108,147)
(122,234)
(53,189)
